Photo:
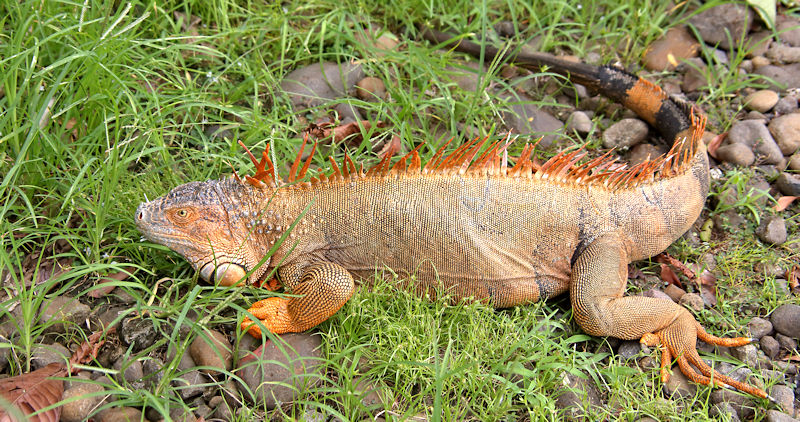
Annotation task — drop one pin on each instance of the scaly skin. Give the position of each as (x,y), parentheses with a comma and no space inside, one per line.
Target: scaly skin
(472,228)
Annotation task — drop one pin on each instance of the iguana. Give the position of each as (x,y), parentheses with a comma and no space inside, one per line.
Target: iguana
(466,222)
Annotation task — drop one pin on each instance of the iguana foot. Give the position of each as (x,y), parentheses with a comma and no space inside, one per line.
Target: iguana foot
(273,313)
(679,340)
(272,284)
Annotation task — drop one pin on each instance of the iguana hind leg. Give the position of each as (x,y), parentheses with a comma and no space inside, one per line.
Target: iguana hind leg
(321,290)
(599,275)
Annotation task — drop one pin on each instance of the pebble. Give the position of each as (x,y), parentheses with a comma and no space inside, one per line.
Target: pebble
(625,133)
(130,371)
(724,411)
(376,40)
(748,354)
(277,373)
(221,409)
(779,77)
(77,410)
(694,77)
(629,349)
(45,354)
(772,230)
(736,154)
(579,122)
(692,301)
(742,404)
(467,76)
(666,52)
(658,294)
(786,105)
(138,332)
(679,385)
(189,382)
(371,89)
(118,414)
(786,320)
(755,135)
(525,117)
(761,101)
(576,394)
(62,312)
(788,30)
(770,346)
(784,396)
(720,24)
(760,61)
(373,394)
(643,152)
(759,327)
(778,416)
(212,349)
(782,53)
(786,342)
(757,43)
(788,184)
(794,162)
(786,131)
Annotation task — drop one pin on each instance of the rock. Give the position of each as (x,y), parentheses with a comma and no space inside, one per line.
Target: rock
(784,396)
(755,135)
(374,395)
(692,301)
(782,53)
(777,416)
(737,154)
(61,313)
(270,371)
(138,332)
(794,162)
(786,105)
(119,414)
(130,371)
(786,342)
(318,83)
(724,411)
(770,346)
(759,327)
(77,410)
(666,52)
(761,101)
(151,368)
(779,77)
(788,184)
(221,409)
(679,385)
(579,122)
(45,354)
(211,348)
(656,294)
(525,117)
(742,404)
(625,133)
(643,152)
(757,44)
(371,89)
(189,382)
(773,231)
(629,349)
(575,396)
(746,354)
(694,77)
(674,292)
(786,131)
(376,40)
(760,61)
(720,24)
(467,76)
(786,320)
(788,30)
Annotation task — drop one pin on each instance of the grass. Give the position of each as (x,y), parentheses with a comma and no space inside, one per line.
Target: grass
(106,104)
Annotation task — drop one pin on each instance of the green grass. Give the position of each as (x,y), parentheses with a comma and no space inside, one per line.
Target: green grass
(105,104)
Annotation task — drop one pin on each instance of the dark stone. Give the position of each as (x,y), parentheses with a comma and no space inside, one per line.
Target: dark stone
(786,320)
(773,231)
(788,184)
(770,346)
(759,327)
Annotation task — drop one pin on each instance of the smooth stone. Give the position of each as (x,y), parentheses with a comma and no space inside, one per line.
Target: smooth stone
(61,313)
(625,133)
(318,83)
(786,105)
(371,89)
(788,184)
(788,30)
(794,162)
(786,320)
(579,122)
(692,301)
(782,53)
(759,327)
(761,101)
(770,346)
(212,350)
(644,152)
(772,230)
(720,24)
(668,51)
(755,134)
(77,410)
(736,154)
(786,131)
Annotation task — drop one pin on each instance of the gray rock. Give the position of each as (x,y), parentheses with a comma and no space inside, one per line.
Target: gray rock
(629,349)
(786,131)
(130,371)
(63,312)
(725,411)
(722,24)
(757,43)
(318,83)
(525,117)
(579,122)
(371,89)
(755,134)
(373,394)
(221,409)
(656,294)
(45,354)
(788,184)
(467,75)
(777,416)
(77,410)
(786,320)
(119,414)
(782,53)
(741,404)
(575,396)
(794,162)
(152,371)
(692,301)
(644,152)
(275,373)
(759,327)
(188,381)
(625,133)
(773,231)
(788,30)
(212,349)
(679,385)
(786,105)
(677,44)
(138,332)
(780,77)
(761,101)
(737,154)
(786,342)
(784,396)
(770,346)
(747,354)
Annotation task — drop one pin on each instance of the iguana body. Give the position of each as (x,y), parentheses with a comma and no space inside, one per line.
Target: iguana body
(466,224)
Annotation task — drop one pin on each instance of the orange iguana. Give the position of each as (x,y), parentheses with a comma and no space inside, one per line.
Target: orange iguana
(474,227)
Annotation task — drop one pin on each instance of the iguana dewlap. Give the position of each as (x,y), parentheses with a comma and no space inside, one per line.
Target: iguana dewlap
(466,223)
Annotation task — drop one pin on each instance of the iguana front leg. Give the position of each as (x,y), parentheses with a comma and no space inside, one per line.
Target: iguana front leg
(599,276)
(322,289)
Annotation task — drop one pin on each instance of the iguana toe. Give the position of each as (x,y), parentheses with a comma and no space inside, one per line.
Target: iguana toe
(273,313)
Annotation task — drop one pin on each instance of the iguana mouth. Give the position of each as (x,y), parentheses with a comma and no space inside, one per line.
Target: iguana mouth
(226,274)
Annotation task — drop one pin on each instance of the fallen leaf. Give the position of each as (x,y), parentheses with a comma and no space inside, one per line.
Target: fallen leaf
(390,148)
(34,391)
(341,132)
(793,277)
(666,258)
(715,143)
(88,350)
(784,202)
(668,276)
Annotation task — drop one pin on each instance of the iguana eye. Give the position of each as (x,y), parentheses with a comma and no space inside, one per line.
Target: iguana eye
(182,213)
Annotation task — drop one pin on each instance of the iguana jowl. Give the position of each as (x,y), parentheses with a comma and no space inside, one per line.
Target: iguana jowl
(466,223)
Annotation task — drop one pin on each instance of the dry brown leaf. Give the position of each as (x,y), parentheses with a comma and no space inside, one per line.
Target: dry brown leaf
(341,132)
(784,202)
(793,276)
(390,148)
(715,143)
(34,391)
(668,276)
(88,350)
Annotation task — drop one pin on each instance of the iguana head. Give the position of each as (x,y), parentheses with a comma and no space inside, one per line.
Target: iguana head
(200,220)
